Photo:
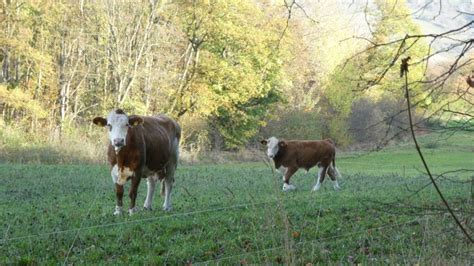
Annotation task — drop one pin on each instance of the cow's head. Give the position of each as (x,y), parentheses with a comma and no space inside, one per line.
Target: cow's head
(118,124)
(273,146)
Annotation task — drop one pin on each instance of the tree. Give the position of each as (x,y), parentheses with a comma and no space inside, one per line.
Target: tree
(372,71)
(230,76)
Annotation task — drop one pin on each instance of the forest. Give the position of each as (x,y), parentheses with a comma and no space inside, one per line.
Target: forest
(230,72)
(389,81)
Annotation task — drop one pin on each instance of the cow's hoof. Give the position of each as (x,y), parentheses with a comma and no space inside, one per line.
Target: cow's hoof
(118,210)
(167,208)
(132,210)
(337,188)
(145,208)
(288,187)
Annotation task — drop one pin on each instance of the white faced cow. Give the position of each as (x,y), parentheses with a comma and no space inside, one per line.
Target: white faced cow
(141,147)
(291,155)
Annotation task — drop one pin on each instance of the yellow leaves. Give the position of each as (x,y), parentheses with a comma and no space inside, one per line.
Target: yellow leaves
(19,99)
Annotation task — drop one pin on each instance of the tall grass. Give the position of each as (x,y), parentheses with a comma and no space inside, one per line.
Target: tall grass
(46,147)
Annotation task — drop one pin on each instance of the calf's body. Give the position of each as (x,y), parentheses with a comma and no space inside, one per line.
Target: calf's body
(291,155)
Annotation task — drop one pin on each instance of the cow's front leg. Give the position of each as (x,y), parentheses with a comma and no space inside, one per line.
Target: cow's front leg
(282,171)
(133,193)
(288,173)
(119,195)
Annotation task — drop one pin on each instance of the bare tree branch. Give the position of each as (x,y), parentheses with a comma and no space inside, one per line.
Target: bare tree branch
(423,158)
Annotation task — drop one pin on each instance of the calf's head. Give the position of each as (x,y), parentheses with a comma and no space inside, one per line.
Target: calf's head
(273,146)
(119,125)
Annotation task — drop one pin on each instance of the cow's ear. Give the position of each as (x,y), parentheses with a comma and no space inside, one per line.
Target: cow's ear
(135,120)
(100,121)
(264,141)
(282,143)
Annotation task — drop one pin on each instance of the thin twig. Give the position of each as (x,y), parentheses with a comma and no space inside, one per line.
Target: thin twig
(407,95)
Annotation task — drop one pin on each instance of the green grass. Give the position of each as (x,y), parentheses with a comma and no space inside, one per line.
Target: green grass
(236,213)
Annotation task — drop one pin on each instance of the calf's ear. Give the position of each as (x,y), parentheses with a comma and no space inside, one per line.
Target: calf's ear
(264,141)
(135,120)
(100,121)
(282,143)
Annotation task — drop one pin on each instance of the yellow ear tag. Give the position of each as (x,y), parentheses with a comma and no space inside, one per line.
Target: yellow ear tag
(135,123)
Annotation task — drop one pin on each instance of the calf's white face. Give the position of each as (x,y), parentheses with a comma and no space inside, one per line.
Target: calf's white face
(272,147)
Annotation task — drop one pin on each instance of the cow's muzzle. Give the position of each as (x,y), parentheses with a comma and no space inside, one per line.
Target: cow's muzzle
(118,143)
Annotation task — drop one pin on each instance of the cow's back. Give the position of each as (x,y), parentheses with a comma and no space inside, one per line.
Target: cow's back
(307,154)
(161,137)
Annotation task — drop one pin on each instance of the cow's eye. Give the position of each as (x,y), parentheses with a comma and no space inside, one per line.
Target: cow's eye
(109,126)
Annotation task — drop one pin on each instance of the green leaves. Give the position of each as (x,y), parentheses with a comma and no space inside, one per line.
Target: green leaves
(375,71)
(236,74)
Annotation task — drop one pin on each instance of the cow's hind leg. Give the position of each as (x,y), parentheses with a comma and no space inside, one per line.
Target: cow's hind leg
(332,172)
(151,185)
(320,178)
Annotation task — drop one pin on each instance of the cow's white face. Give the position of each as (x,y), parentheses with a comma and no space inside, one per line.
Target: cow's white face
(118,124)
(272,147)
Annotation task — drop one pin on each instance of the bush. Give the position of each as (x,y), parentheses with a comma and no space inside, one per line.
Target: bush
(297,124)
(364,121)
(377,122)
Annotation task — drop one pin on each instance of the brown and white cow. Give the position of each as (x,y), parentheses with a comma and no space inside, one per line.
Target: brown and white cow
(141,147)
(291,155)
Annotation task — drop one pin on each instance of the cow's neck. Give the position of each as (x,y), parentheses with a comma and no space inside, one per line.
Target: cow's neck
(277,159)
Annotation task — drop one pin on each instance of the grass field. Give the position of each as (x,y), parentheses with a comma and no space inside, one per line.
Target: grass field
(237,213)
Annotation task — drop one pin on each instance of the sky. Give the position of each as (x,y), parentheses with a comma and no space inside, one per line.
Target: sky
(433,17)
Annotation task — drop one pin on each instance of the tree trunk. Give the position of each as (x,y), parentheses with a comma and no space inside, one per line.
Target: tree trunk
(5,66)
(62,84)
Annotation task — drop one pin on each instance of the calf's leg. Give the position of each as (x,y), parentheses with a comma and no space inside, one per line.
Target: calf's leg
(332,172)
(282,171)
(289,172)
(320,178)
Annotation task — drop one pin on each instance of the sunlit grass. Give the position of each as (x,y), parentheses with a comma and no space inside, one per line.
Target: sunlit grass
(236,213)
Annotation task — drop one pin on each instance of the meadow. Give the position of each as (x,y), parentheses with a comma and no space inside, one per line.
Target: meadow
(236,213)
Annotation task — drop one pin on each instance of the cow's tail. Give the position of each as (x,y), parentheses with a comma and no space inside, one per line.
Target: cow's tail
(330,141)
(178,138)
(178,132)
(334,167)
(162,192)
(334,158)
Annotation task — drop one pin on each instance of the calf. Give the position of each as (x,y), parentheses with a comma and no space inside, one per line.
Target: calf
(141,147)
(291,155)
